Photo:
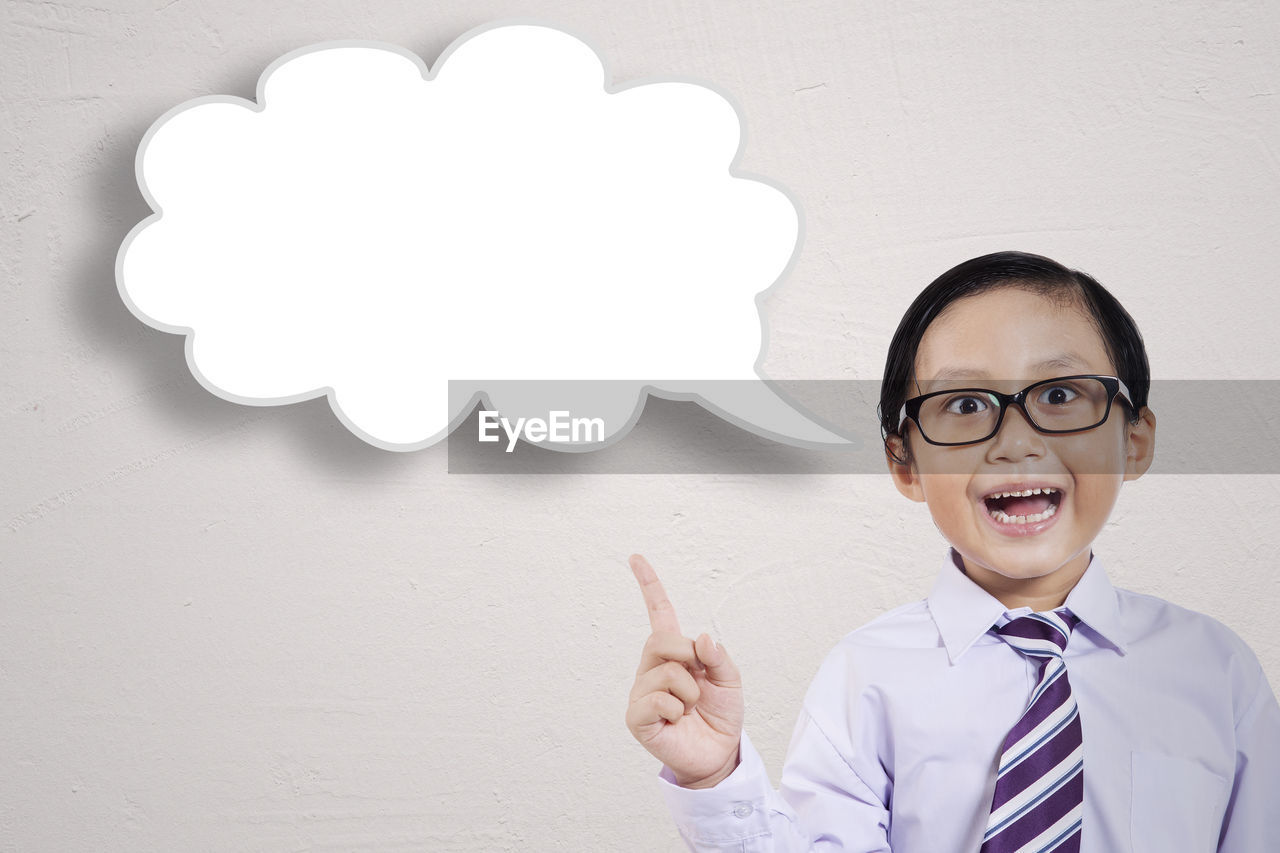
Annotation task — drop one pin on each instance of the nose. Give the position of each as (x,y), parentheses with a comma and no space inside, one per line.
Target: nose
(1016,439)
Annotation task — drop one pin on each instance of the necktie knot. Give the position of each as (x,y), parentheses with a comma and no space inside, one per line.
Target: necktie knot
(1039,634)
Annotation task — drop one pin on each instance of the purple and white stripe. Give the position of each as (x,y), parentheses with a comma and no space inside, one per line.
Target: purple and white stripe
(1039,796)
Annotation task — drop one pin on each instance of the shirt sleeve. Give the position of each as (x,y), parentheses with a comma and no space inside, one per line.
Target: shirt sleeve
(822,804)
(1252,821)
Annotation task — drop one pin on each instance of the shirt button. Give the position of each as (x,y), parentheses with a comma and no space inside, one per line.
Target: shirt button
(741,810)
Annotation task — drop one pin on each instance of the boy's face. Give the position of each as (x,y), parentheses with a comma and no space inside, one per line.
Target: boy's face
(1004,340)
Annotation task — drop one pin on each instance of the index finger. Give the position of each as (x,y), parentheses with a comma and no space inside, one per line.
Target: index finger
(662,615)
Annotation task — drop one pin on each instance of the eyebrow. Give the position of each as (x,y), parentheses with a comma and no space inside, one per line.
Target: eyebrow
(1066,360)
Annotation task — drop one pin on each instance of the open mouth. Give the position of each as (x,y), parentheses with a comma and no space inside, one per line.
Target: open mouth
(1027,506)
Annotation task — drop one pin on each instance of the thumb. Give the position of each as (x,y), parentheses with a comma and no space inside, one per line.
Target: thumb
(720,668)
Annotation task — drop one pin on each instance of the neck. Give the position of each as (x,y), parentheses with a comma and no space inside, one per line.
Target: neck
(1041,594)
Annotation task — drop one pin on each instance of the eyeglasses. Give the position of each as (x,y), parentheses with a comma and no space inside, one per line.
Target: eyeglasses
(971,415)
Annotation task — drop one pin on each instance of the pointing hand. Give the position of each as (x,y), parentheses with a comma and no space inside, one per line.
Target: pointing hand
(686,703)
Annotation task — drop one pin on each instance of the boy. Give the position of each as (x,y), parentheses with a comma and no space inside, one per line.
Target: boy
(1026,704)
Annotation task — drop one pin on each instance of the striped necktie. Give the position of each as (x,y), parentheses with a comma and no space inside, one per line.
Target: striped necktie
(1039,796)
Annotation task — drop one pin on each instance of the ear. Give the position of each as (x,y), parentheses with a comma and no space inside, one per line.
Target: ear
(1140,444)
(904,474)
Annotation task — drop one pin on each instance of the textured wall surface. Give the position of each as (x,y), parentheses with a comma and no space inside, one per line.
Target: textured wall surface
(232,628)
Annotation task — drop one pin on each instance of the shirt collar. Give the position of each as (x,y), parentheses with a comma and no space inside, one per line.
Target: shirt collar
(964,611)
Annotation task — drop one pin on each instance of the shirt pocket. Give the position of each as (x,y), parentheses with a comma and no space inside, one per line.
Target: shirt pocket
(1177,805)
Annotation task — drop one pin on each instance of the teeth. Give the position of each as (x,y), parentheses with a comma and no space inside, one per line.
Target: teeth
(1025,493)
(1003,518)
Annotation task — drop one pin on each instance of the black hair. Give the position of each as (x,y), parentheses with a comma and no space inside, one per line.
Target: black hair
(1037,274)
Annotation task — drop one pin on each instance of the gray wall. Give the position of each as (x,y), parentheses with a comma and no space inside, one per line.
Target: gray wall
(236,628)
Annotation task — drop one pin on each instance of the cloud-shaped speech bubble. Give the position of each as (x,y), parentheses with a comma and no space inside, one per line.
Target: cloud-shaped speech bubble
(370,230)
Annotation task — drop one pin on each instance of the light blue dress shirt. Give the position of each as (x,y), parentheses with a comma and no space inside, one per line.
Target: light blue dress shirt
(896,744)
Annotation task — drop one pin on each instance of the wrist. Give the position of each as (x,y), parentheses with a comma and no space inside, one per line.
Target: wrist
(715,778)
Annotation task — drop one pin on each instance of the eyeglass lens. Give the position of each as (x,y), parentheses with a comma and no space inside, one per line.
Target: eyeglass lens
(969,415)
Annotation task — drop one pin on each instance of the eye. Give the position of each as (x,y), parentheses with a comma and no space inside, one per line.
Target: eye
(965,404)
(1057,395)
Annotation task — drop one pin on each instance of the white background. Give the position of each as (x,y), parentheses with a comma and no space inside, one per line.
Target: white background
(231,628)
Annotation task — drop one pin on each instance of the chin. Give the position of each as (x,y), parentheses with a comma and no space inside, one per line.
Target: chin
(1026,560)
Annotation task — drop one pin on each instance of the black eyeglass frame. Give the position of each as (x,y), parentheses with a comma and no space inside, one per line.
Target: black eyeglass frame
(1114,385)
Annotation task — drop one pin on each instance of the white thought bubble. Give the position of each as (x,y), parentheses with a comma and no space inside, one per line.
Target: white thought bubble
(369,230)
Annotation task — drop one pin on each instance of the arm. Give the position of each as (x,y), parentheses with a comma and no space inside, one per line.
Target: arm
(1252,821)
(822,804)
(686,709)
